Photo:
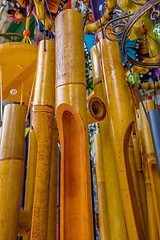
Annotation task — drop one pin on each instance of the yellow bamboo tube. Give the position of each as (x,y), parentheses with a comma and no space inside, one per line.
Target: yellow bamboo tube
(152,165)
(30,180)
(96,110)
(134,172)
(52,214)
(150,214)
(71,113)
(43,123)
(11,169)
(31,170)
(24,224)
(153,232)
(140,178)
(146,133)
(115,214)
(152,224)
(101,189)
(120,118)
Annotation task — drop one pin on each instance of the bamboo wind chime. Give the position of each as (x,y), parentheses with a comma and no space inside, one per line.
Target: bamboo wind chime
(38,219)
(126,165)
(75,195)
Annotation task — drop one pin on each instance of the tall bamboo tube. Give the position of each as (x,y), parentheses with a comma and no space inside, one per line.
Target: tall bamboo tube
(140,177)
(149,212)
(152,165)
(24,224)
(76,218)
(11,169)
(114,207)
(134,172)
(52,214)
(152,224)
(101,189)
(43,124)
(120,118)
(30,179)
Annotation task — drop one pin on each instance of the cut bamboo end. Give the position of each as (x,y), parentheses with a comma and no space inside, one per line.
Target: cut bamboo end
(96,110)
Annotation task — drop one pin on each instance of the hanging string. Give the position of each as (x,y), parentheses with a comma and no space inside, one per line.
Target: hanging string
(86,15)
(101,23)
(1,84)
(50,14)
(142,102)
(127,63)
(44,26)
(155,94)
(30,98)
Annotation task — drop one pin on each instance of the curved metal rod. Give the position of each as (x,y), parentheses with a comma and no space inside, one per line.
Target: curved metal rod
(142,10)
(138,3)
(154,12)
(11,34)
(118,25)
(114,20)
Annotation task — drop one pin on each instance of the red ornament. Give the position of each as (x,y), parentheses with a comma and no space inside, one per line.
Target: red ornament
(149,97)
(144,31)
(26,33)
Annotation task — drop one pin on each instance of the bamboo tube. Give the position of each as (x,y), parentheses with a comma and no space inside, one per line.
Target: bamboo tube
(151,160)
(141,182)
(120,118)
(24,224)
(75,193)
(11,169)
(30,180)
(101,189)
(114,205)
(153,232)
(42,122)
(31,170)
(152,224)
(134,172)
(52,214)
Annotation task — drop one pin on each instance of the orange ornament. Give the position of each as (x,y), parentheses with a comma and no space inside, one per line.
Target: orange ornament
(26,33)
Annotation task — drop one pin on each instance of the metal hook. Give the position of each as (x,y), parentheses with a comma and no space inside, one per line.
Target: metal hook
(154,14)
(118,25)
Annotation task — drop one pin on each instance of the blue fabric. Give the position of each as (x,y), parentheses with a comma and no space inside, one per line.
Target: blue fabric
(129,47)
(89,40)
